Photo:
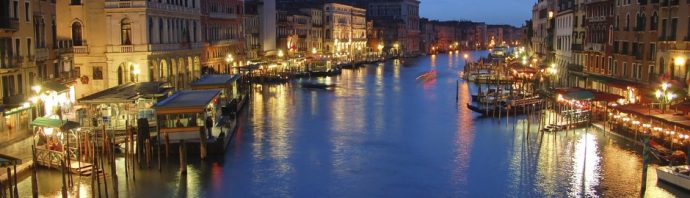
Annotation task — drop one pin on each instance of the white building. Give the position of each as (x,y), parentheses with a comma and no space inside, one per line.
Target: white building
(345,29)
(116,42)
(564,36)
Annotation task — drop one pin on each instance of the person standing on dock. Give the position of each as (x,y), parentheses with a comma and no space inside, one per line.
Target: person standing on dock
(209,126)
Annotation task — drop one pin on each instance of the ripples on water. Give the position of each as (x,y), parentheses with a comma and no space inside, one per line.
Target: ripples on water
(381,133)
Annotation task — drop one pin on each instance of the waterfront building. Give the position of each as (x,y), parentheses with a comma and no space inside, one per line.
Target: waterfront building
(27,58)
(223,36)
(344,29)
(293,29)
(315,33)
(260,28)
(400,17)
(634,48)
(117,42)
(542,18)
(598,46)
(673,35)
(427,36)
(564,21)
(577,49)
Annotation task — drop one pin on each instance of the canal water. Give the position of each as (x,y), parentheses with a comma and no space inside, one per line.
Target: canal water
(382,133)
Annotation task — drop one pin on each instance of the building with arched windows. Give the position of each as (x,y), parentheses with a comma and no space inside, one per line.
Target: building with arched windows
(109,43)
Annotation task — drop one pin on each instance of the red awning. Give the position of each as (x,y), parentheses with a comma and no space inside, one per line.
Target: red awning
(603,96)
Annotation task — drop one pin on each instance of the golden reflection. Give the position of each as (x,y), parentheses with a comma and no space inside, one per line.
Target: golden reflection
(585,177)
(465,136)
(433,62)
(271,115)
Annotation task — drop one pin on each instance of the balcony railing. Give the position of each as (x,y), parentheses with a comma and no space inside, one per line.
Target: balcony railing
(116,4)
(11,62)
(152,47)
(222,15)
(9,24)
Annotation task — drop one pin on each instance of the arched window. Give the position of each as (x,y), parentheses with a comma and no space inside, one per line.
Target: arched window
(627,22)
(132,75)
(120,75)
(126,31)
(642,20)
(655,21)
(76,34)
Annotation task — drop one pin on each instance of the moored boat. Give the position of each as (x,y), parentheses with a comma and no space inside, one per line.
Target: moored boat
(676,175)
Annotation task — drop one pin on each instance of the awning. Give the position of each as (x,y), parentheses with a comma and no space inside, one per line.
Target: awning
(6,160)
(54,123)
(579,95)
(682,106)
(587,94)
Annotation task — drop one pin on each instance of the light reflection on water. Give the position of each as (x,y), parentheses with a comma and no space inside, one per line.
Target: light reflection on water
(381,133)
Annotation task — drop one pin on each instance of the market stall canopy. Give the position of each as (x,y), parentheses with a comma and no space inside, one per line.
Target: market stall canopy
(54,123)
(194,101)
(128,93)
(579,95)
(6,160)
(214,81)
(587,94)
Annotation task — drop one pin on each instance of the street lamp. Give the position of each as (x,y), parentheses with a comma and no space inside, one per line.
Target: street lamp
(136,72)
(229,59)
(664,95)
(380,47)
(280,53)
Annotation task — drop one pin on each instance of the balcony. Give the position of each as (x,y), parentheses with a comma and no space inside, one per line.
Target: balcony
(153,47)
(76,50)
(221,15)
(9,24)
(116,4)
(10,62)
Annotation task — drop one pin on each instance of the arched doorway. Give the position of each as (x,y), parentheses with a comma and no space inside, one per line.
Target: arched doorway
(120,75)
(164,71)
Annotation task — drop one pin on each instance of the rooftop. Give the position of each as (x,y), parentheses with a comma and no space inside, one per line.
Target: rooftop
(127,93)
(215,79)
(188,101)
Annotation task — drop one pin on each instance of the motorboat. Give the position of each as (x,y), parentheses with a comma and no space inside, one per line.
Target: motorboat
(316,85)
(676,175)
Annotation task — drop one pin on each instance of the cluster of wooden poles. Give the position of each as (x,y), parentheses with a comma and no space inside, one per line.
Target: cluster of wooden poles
(9,189)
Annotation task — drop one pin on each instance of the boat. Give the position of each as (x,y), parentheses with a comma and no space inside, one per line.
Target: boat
(430,75)
(676,175)
(665,155)
(314,85)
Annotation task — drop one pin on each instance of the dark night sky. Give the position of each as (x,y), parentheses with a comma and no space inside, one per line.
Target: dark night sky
(512,12)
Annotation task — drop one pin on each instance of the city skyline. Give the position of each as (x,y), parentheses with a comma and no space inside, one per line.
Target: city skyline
(510,12)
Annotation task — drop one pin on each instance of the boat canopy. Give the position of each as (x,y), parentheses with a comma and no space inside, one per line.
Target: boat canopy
(215,81)
(190,101)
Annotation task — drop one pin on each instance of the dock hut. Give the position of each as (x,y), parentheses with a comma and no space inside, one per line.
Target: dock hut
(233,93)
(121,105)
(181,118)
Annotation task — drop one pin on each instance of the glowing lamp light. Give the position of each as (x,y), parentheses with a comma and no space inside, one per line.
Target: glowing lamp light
(48,131)
(313,50)
(678,61)
(636,122)
(36,88)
